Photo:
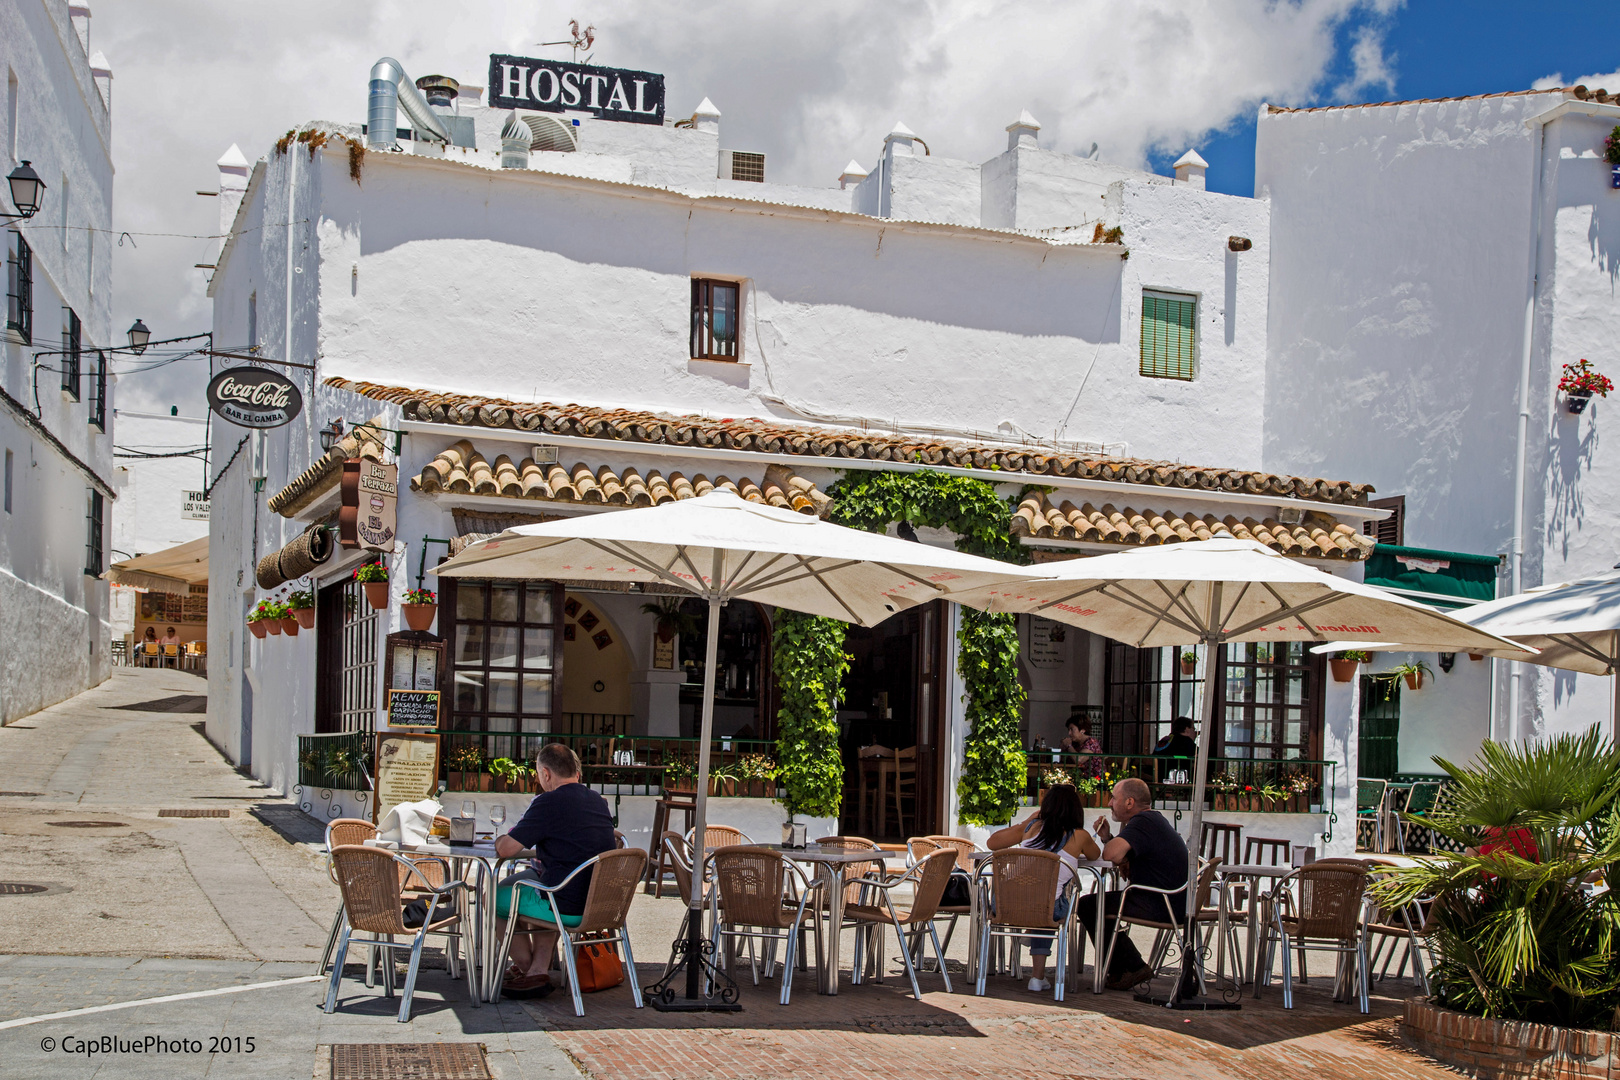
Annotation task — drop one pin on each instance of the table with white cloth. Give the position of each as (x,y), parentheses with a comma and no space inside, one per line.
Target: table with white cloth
(1099,869)
(1250,873)
(483,942)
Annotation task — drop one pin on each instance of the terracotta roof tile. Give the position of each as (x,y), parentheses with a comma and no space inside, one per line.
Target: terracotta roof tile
(464,470)
(778,437)
(327,471)
(1319,536)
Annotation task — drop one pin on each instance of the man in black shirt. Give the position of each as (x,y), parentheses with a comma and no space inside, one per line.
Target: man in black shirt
(1152,853)
(566,825)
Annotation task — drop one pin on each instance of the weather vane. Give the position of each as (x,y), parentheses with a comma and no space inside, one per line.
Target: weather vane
(579,40)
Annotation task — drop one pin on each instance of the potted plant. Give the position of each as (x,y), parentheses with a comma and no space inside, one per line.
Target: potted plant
(680,775)
(420,606)
(1413,672)
(1611,154)
(1344,664)
(722,781)
(289,621)
(302,605)
(465,763)
(1580,382)
(508,775)
(259,618)
(1223,788)
(668,618)
(756,774)
(374,576)
(1189,663)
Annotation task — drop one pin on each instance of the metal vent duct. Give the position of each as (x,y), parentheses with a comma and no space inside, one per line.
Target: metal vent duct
(391,88)
(551,133)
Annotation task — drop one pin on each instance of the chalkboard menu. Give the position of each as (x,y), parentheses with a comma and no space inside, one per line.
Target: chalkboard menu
(413,708)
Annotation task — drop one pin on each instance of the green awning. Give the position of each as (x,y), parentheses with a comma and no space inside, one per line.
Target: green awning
(1443,578)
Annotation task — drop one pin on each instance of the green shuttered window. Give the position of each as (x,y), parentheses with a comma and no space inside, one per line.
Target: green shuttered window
(1169,335)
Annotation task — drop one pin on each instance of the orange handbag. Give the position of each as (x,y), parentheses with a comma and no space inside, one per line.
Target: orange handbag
(598,966)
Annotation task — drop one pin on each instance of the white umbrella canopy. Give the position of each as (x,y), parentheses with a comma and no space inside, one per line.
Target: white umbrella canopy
(721,547)
(1212,592)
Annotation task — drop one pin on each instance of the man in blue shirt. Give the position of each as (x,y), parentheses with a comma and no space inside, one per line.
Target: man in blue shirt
(566,824)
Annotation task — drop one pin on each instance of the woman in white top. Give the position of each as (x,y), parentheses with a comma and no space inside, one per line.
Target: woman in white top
(1059,826)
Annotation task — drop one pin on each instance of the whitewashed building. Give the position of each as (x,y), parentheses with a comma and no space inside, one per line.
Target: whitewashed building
(1434,266)
(55,393)
(609,314)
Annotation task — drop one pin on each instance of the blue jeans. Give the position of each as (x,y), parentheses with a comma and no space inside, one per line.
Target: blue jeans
(1041,944)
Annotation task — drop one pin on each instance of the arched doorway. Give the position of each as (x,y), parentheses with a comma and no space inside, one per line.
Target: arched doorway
(596,671)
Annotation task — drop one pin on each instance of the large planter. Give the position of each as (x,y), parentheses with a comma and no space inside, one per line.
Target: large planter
(376,594)
(680,785)
(272,625)
(1344,670)
(305,617)
(289,626)
(1502,1049)
(257,628)
(418,616)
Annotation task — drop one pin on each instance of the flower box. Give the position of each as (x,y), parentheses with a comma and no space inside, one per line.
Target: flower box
(257,628)
(289,626)
(305,617)
(273,625)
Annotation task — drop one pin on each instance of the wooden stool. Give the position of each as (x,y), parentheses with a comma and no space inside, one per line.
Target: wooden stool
(667,806)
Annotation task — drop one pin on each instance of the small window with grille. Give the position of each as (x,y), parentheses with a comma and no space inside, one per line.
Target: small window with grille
(94,559)
(98,393)
(1169,335)
(20,290)
(748,166)
(715,306)
(72,354)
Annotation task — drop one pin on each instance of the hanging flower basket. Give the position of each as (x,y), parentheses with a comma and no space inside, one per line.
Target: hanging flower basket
(420,606)
(1579,383)
(258,628)
(289,626)
(1189,663)
(273,625)
(374,576)
(1414,680)
(1345,664)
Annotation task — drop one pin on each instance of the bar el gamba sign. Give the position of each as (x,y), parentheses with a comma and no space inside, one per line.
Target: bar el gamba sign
(370,505)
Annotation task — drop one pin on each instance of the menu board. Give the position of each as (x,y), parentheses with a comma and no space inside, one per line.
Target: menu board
(413,708)
(407,770)
(1046,641)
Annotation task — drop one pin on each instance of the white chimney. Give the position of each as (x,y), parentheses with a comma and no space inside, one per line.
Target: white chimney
(853,174)
(101,74)
(900,142)
(233,181)
(1024,131)
(706,117)
(1190,169)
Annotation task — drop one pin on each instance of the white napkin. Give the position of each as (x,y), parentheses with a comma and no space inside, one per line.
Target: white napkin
(408,823)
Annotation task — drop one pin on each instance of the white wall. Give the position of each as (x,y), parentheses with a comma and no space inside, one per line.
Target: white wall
(53,618)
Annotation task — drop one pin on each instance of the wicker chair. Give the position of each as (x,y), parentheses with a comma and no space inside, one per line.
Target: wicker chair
(1319,908)
(750,900)
(920,846)
(719,836)
(1166,929)
(373,904)
(1023,887)
(615,876)
(928,879)
(342,832)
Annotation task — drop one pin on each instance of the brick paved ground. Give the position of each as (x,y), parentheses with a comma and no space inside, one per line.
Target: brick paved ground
(1009,1034)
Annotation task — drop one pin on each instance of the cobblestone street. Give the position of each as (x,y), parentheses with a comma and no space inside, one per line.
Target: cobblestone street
(160,906)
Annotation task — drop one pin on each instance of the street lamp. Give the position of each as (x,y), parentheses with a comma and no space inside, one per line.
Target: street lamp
(26,189)
(332,435)
(139,335)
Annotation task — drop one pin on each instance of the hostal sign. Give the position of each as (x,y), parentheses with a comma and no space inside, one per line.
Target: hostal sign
(253,397)
(520,82)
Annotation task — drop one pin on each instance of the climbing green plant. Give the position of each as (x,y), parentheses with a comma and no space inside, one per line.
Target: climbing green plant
(993,760)
(809,662)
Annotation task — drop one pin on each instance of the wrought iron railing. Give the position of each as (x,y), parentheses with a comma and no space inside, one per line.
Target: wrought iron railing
(1256,785)
(340,761)
(613,764)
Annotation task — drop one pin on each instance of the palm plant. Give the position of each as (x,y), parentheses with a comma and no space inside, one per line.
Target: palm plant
(1518,936)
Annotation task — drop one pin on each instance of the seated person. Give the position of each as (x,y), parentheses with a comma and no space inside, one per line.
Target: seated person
(1058,826)
(1153,854)
(1080,740)
(566,825)
(170,637)
(150,635)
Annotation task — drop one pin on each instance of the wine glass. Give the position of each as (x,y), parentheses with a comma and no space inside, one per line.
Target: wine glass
(469,809)
(497,817)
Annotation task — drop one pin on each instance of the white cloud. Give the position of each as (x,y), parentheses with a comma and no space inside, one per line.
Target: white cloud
(812,85)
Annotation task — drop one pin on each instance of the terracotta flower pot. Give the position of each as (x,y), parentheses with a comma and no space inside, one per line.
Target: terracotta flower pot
(1344,670)
(419,616)
(289,626)
(258,628)
(305,617)
(1476,656)
(376,594)
(1414,680)
(1189,667)
(272,625)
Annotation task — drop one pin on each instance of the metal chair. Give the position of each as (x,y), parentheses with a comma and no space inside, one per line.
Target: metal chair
(1218,841)
(342,832)
(928,879)
(719,836)
(1023,889)
(1318,908)
(1166,929)
(373,904)
(751,901)
(1420,803)
(918,847)
(1371,796)
(614,878)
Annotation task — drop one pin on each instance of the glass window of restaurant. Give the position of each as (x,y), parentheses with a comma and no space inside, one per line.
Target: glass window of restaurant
(1269,699)
(505,660)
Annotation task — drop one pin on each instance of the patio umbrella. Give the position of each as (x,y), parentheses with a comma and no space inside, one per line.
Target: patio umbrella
(1213,592)
(721,548)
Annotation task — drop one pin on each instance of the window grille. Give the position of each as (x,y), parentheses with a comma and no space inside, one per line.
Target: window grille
(714,319)
(1169,336)
(20,290)
(505,657)
(72,348)
(93,555)
(98,393)
(346,640)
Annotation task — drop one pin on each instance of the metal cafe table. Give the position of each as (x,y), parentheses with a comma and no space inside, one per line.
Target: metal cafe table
(1252,873)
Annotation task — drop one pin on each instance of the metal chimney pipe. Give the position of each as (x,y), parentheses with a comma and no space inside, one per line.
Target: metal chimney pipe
(390,89)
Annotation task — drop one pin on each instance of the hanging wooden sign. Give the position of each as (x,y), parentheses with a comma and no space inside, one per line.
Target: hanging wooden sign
(369,512)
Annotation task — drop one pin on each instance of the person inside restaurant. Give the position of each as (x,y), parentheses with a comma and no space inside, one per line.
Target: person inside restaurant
(1150,852)
(1080,740)
(1180,742)
(1059,826)
(566,825)
(170,637)
(150,635)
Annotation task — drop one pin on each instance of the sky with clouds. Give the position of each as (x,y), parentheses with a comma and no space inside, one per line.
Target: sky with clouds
(812,85)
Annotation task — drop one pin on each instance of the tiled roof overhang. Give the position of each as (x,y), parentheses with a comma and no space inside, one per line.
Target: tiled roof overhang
(327,471)
(833,445)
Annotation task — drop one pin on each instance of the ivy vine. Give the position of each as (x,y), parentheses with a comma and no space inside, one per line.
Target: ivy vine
(993,759)
(809,662)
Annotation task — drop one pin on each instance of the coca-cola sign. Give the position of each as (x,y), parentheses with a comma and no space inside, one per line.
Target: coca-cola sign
(254,397)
